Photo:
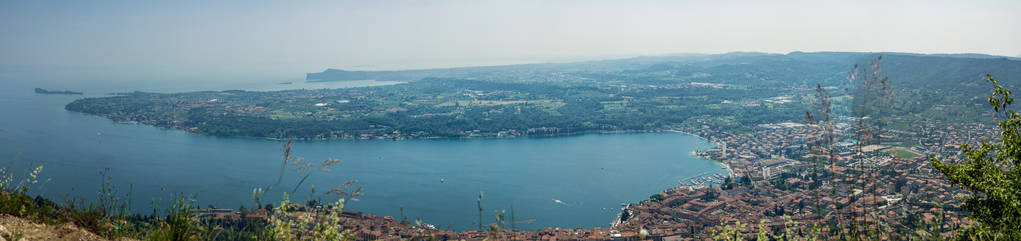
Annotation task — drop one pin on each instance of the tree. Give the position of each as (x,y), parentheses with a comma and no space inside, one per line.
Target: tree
(993,175)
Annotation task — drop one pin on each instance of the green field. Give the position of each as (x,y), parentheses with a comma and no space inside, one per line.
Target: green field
(903,154)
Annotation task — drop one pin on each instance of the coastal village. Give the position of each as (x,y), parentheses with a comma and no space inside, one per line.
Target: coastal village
(769,186)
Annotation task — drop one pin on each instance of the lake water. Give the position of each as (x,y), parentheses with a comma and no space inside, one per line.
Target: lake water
(437,180)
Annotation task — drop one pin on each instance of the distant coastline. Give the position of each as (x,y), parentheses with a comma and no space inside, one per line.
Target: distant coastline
(56,92)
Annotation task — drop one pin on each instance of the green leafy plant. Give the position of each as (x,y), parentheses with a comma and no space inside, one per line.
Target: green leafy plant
(993,174)
(317,222)
(728,232)
(320,223)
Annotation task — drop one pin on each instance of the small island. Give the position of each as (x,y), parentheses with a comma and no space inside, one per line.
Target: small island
(56,92)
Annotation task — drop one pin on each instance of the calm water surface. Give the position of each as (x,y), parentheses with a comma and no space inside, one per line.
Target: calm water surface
(437,180)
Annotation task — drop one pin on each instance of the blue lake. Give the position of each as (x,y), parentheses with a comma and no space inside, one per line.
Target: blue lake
(436,180)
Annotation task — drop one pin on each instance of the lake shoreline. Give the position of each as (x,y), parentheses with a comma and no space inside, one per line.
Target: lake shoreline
(730,172)
(353,138)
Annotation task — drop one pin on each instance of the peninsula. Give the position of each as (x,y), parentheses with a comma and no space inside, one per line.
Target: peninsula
(56,92)
(735,91)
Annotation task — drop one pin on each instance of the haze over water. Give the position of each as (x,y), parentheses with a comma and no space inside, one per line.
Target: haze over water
(437,180)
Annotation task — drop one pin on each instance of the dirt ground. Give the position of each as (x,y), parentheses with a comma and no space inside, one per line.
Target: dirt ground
(11,226)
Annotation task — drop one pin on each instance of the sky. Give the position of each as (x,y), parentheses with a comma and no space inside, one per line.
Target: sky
(84,40)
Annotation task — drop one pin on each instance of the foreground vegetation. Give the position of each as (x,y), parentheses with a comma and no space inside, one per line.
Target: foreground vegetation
(993,175)
(108,216)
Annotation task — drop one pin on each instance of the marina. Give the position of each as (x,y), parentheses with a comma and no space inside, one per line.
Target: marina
(703,179)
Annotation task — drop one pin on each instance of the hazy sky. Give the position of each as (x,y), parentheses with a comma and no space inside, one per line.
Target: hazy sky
(285,39)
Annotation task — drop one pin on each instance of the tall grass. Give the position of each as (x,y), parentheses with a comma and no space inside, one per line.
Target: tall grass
(178,225)
(320,222)
(108,215)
